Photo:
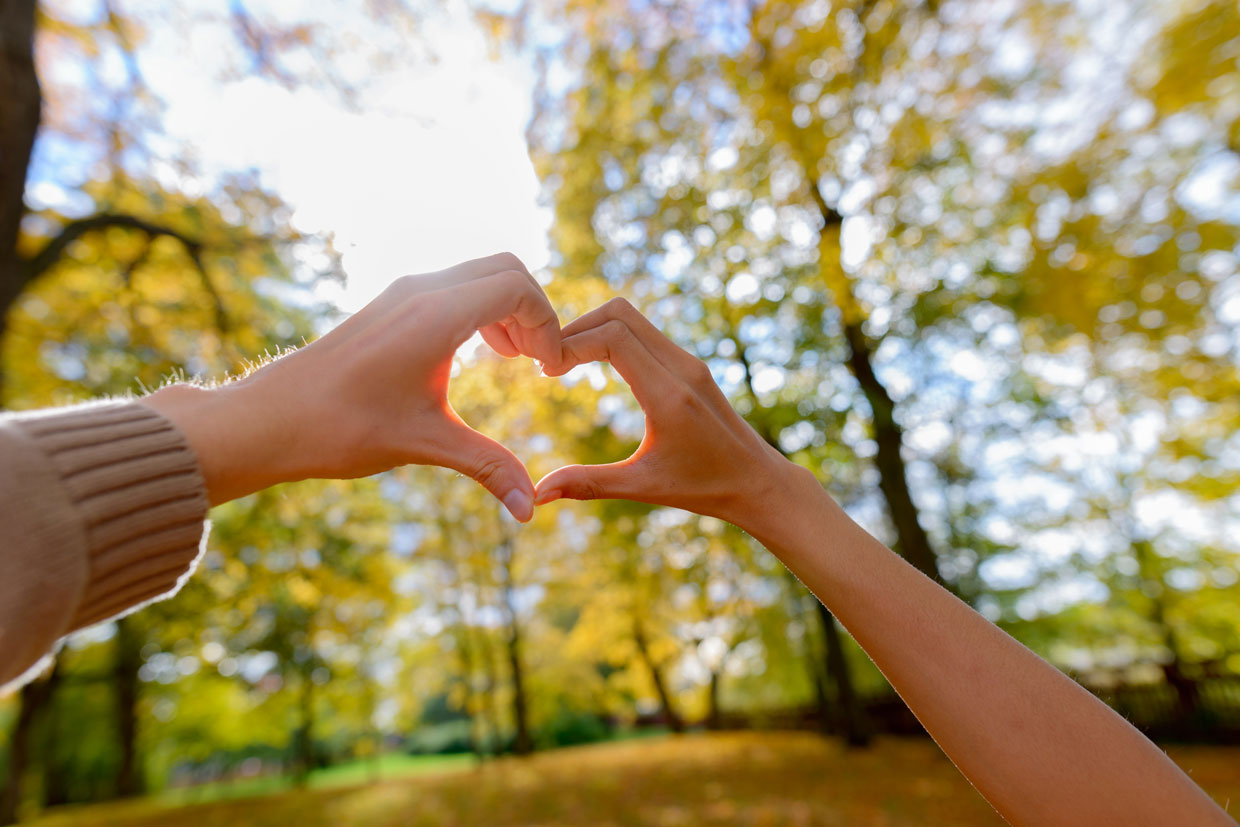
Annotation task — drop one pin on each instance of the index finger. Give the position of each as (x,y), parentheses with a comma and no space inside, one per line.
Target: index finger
(616,343)
(466,271)
(674,358)
(509,296)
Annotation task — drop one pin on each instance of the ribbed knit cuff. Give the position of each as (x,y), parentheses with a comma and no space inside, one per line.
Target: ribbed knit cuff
(136,484)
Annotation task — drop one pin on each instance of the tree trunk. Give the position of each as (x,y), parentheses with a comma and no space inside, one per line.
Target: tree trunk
(490,710)
(1186,691)
(303,740)
(34,698)
(523,743)
(466,651)
(822,701)
(128,660)
(674,722)
(713,713)
(19,122)
(853,725)
(911,539)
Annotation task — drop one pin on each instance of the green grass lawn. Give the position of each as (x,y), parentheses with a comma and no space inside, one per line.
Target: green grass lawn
(707,779)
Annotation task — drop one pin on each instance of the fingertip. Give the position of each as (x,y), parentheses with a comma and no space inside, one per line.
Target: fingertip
(519,505)
(550,495)
(497,337)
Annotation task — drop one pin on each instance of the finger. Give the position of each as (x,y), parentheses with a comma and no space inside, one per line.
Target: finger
(615,342)
(513,297)
(462,273)
(496,335)
(664,349)
(492,465)
(615,481)
(391,301)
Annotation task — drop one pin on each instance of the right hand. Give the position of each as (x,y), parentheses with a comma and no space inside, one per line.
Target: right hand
(697,454)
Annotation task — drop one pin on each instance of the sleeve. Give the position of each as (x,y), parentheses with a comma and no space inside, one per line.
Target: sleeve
(102,510)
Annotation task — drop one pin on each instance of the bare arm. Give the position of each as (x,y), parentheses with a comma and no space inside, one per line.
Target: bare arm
(1040,748)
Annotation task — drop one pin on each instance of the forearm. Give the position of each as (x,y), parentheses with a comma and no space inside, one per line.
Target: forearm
(1039,747)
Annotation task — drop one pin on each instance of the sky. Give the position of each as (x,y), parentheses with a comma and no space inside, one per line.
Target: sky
(428,169)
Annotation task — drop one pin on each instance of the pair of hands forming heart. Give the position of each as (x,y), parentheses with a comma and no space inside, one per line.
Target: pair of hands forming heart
(372,395)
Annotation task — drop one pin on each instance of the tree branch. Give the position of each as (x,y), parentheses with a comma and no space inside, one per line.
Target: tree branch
(43,260)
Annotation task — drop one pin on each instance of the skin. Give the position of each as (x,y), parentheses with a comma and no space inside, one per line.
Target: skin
(1040,748)
(373,393)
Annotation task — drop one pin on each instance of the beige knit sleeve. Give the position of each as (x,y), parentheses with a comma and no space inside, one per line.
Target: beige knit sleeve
(102,509)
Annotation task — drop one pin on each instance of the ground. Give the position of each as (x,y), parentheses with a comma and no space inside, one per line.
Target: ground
(742,778)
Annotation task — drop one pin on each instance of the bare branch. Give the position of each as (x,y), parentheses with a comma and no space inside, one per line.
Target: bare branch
(51,253)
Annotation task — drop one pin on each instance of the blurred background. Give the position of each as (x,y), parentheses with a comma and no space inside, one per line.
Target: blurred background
(975,264)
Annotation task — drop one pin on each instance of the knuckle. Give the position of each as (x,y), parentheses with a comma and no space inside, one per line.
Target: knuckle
(508,261)
(620,308)
(700,374)
(518,282)
(617,332)
(403,286)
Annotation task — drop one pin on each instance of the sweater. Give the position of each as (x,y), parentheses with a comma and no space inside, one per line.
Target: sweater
(102,510)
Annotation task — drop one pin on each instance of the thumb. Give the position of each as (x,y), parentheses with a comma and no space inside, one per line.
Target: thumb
(586,482)
(495,467)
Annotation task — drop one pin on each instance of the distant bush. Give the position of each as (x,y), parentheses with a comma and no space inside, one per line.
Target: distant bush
(440,739)
(571,727)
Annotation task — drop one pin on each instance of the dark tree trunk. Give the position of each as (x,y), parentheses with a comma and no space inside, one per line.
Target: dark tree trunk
(854,727)
(523,743)
(1186,690)
(34,698)
(128,661)
(713,712)
(20,104)
(303,740)
(490,710)
(911,539)
(674,722)
(57,764)
(466,651)
(822,701)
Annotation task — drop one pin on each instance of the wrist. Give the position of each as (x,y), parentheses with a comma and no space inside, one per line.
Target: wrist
(781,500)
(238,442)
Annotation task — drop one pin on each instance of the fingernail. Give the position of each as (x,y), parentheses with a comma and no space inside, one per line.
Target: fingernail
(518,504)
(548,496)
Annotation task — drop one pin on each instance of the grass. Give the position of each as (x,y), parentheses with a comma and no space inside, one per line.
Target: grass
(396,765)
(716,779)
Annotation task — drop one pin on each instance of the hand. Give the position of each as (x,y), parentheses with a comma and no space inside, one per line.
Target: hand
(372,394)
(697,453)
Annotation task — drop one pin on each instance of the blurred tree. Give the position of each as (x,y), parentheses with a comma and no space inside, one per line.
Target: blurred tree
(120,310)
(951,201)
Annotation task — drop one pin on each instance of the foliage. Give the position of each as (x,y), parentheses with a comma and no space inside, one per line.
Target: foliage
(974,265)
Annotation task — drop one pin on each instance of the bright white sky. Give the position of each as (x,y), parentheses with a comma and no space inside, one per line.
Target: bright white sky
(430,170)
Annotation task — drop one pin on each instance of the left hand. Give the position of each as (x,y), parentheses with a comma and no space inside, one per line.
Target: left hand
(372,394)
